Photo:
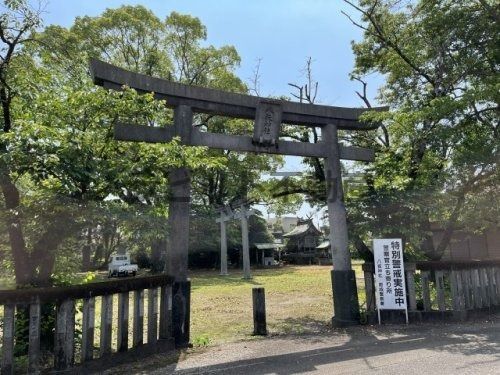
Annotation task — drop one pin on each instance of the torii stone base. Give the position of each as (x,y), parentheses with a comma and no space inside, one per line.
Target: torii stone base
(344,285)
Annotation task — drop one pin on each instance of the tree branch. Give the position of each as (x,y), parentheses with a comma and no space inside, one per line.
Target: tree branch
(380,35)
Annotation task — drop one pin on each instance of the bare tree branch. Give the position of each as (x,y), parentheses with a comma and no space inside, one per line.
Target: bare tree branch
(255,79)
(364,97)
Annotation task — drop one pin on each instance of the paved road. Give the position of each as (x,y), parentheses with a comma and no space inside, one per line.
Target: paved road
(471,348)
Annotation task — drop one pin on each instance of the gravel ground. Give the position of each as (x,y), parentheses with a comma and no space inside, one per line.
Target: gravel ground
(465,348)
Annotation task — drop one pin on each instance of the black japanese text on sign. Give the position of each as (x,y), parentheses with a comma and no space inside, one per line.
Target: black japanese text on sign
(389,274)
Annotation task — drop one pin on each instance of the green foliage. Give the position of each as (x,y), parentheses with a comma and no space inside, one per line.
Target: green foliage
(258,232)
(204,240)
(437,152)
(201,341)
(83,195)
(69,275)
(71,176)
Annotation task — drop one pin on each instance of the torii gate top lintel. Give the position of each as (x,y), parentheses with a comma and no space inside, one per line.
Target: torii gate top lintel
(267,113)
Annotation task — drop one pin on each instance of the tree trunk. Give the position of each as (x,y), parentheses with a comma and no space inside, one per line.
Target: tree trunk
(10,193)
(86,251)
(158,248)
(98,255)
(450,227)
(363,250)
(45,267)
(20,256)
(6,100)
(44,250)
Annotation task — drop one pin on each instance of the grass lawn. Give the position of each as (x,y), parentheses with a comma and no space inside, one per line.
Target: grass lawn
(298,299)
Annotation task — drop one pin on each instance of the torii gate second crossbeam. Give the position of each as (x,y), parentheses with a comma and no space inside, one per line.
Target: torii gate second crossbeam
(268,115)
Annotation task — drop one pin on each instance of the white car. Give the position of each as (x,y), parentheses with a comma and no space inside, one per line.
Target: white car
(120,266)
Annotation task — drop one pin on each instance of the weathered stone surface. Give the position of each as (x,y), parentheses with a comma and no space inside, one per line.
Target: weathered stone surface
(106,325)
(225,103)
(138,323)
(51,294)
(259,311)
(141,133)
(8,339)
(335,202)
(88,325)
(152,315)
(123,316)
(243,214)
(181,306)
(34,338)
(345,298)
(64,336)
(223,249)
(165,312)
(267,123)
(440,290)
(426,295)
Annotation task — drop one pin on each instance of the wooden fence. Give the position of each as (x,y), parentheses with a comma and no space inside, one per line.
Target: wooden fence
(65,299)
(444,289)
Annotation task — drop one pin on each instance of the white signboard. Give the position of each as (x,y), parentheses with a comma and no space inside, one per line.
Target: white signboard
(390,289)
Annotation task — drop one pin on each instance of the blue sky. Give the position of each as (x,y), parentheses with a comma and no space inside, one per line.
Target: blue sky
(281,33)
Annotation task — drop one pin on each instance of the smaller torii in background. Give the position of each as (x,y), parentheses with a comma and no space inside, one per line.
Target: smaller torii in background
(226,214)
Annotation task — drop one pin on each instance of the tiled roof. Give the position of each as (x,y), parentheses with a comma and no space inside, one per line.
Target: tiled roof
(302,228)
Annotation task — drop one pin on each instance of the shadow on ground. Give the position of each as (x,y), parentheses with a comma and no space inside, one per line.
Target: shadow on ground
(362,343)
(303,325)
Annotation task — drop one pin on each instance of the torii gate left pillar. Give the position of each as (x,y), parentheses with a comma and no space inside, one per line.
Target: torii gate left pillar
(178,244)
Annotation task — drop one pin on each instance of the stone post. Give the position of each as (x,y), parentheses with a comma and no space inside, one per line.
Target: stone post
(345,294)
(259,311)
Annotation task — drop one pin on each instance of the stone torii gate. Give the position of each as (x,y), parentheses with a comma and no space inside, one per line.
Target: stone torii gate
(268,115)
(226,214)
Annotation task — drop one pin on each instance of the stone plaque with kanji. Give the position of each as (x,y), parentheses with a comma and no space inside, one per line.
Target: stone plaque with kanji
(267,123)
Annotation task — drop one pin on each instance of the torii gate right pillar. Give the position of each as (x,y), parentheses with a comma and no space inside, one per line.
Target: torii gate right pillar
(345,293)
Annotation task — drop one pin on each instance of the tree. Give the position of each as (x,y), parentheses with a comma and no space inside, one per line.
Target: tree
(437,155)
(17,25)
(71,186)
